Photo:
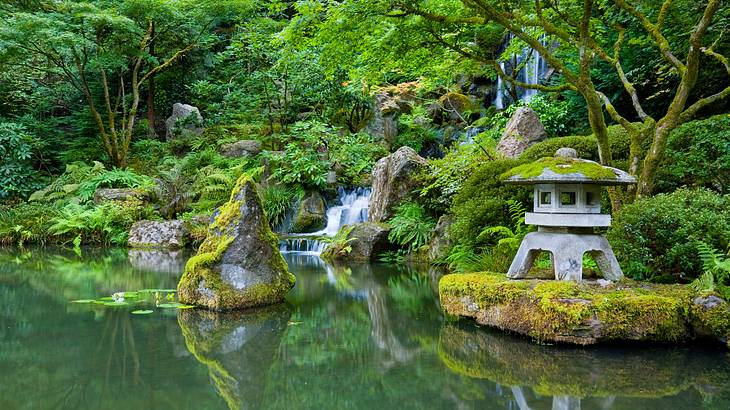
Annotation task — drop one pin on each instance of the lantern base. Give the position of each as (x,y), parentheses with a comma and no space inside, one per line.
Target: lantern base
(567,251)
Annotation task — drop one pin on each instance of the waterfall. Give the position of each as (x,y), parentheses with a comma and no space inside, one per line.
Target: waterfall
(351,207)
(534,71)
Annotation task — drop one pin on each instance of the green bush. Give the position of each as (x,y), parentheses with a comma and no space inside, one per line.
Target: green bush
(355,155)
(277,201)
(698,155)
(67,184)
(113,178)
(586,146)
(657,238)
(483,201)
(410,226)
(26,223)
(17,176)
(106,224)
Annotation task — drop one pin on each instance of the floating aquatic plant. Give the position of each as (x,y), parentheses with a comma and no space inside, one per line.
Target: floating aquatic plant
(143,300)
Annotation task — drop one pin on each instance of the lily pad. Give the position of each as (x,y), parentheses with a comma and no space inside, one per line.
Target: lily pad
(107,298)
(170,305)
(131,294)
(116,304)
(185,307)
(142,312)
(83,301)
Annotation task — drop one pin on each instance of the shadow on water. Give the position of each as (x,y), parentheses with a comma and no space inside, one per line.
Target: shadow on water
(349,336)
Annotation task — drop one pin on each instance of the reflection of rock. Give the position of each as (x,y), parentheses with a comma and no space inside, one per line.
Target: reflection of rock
(158,260)
(238,348)
(557,371)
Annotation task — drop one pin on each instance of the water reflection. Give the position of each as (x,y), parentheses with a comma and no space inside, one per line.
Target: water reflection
(350,336)
(238,349)
(560,377)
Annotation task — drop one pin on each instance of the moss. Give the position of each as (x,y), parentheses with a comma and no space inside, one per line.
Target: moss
(200,272)
(561,166)
(582,313)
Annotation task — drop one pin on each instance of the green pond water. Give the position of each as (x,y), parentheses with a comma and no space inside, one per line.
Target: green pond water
(365,336)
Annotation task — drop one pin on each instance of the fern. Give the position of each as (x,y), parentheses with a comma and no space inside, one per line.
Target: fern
(715,266)
(411,227)
(115,178)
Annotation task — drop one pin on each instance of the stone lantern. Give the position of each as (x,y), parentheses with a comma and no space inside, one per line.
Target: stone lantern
(567,208)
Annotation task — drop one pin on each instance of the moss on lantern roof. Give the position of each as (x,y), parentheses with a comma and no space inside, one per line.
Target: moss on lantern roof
(566,170)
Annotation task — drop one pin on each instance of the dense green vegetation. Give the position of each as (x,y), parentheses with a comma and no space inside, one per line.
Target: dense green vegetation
(323,90)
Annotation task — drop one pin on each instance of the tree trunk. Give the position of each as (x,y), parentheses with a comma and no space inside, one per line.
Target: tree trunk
(151,89)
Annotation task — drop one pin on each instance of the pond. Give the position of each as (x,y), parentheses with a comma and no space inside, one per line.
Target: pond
(361,336)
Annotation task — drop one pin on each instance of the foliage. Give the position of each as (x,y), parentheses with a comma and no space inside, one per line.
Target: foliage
(107,223)
(172,192)
(26,223)
(302,161)
(414,130)
(278,201)
(586,146)
(17,176)
(483,202)
(339,245)
(507,239)
(715,267)
(553,113)
(113,178)
(698,155)
(410,226)
(657,238)
(354,156)
(66,185)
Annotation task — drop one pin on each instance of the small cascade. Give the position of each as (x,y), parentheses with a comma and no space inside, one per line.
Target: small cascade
(534,71)
(301,245)
(350,208)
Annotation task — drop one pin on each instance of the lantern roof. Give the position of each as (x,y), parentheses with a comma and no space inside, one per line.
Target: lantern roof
(566,168)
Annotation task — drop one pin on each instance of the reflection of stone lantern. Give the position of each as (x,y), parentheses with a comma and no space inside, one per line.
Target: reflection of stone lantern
(567,208)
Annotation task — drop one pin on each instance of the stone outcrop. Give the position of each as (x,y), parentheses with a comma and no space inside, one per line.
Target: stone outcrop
(158,234)
(238,264)
(389,103)
(441,242)
(586,313)
(238,348)
(311,215)
(243,148)
(454,107)
(366,241)
(185,120)
(393,181)
(120,195)
(523,130)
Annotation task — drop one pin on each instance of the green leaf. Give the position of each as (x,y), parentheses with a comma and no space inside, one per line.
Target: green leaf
(83,301)
(141,312)
(115,304)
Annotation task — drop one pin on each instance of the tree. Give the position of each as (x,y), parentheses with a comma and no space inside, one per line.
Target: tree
(104,53)
(575,36)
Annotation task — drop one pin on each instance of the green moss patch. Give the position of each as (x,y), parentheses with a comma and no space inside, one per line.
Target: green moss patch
(563,166)
(585,313)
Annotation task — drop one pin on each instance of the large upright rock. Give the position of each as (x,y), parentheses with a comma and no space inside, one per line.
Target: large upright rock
(238,264)
(184,119)
(393,181)
(523,130)
(441,241)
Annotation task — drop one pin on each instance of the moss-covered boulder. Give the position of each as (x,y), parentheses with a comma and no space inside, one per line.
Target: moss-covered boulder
(311,215)
(238,264)
(238,348)
(588,312)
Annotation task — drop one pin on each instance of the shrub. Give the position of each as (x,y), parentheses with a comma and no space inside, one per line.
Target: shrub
(410,226)
(483,201)
(657,238)
(107,223)
(553,113)
(17,176)
(67,184)
(355,155)
(587,146)
(698,155)
(277,201)
(25,223)
(114,178)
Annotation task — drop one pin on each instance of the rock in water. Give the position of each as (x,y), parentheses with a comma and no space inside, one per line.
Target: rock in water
(523,130)
(366,241)
(155,234)
(238,264)
(311,215)
(184,119)
(393,181)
